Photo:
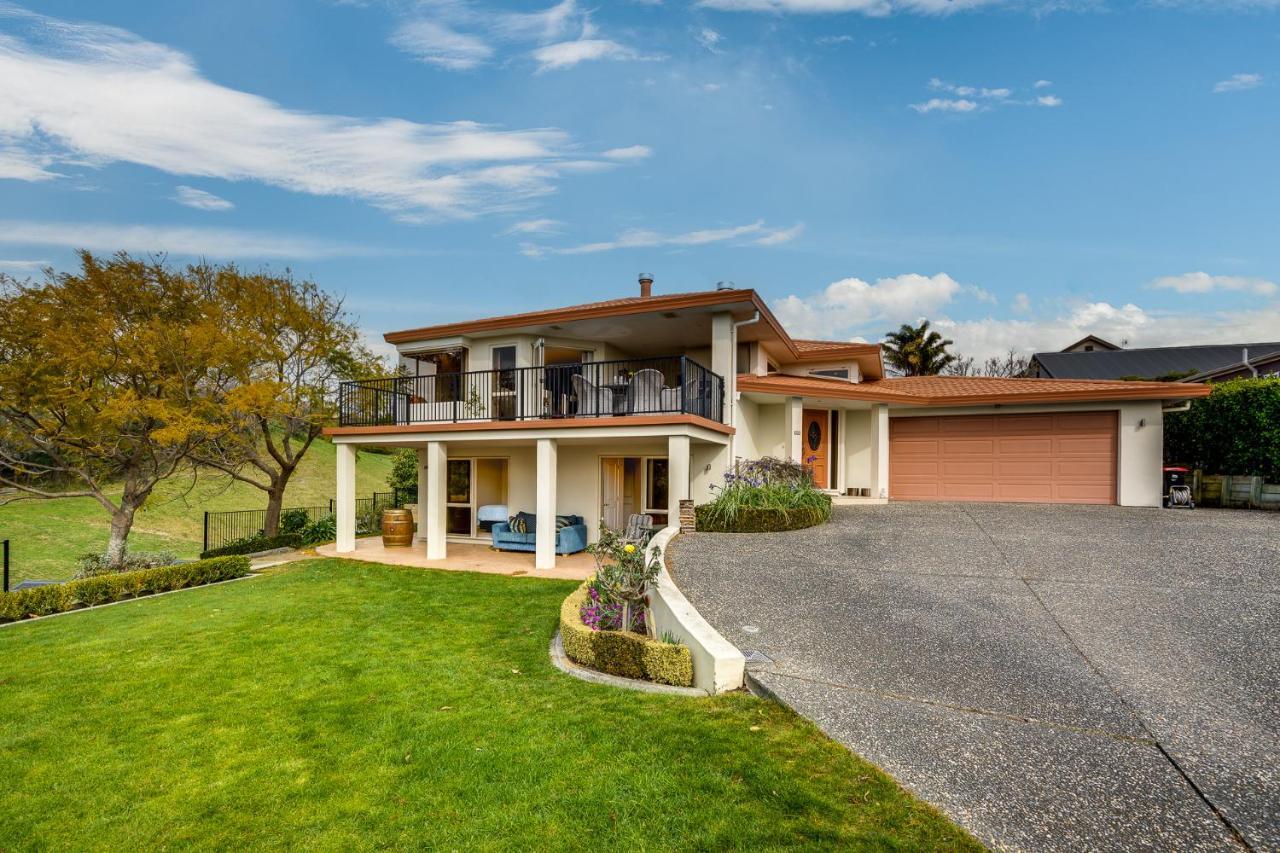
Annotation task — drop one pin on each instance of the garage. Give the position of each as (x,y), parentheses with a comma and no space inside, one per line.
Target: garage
(1065,457)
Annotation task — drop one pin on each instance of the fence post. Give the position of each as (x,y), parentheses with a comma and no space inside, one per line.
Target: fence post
(206,531)
(1226,491)
(1255,492)
(6,565)
(1197,486)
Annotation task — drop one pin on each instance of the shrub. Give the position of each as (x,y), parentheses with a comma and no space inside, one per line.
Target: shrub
(623,574)
(324,529)
(762,495)
(765,520)
(92,565)
(1235,430)
(117,586)
(621,652)
(293,520)
(254,544)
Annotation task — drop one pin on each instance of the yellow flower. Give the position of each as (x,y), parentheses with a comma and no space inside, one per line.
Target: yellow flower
(629,548)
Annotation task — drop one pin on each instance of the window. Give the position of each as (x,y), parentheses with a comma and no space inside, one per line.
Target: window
(444,364)
(837,372)
(655,486)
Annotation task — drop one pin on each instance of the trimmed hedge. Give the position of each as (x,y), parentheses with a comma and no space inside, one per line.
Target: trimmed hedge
(253,544)
(751,520)
(621,652)
(1235,430)
(103,589)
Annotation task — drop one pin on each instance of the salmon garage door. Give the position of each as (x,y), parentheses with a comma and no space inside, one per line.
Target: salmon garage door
(1051,458)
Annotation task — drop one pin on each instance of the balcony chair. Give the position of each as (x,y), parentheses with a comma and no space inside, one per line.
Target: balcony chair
(644,391)
(593,401)
(682,399)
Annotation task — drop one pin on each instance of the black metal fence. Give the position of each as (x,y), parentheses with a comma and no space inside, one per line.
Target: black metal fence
(223,528)
(668,385)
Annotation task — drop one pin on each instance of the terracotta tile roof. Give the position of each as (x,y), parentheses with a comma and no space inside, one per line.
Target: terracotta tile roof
(588,310)
(969,390)
(810,346)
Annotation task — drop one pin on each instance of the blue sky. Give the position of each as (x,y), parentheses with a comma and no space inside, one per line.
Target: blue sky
(1022,172)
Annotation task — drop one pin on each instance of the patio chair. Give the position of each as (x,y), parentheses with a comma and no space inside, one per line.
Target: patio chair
(639,529)
(644,391)
(593,401)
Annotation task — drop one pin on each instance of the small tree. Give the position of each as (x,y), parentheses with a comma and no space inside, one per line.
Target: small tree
(403,476)
(106,382)
(917,350)
(1011,365)
(294,344)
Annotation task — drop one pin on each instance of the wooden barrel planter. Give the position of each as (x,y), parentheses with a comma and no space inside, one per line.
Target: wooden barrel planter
(397,528)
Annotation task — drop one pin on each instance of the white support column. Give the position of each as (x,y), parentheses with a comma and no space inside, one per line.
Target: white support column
(677,475)
(793,420)
(545,539)
(879,451)
(422,494)
(434,518)
(345,498)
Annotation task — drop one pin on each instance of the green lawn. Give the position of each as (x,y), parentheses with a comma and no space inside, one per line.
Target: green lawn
(338,704)
(48,535)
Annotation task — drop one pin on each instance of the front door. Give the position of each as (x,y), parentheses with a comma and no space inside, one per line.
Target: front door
(613,507)
(815,442)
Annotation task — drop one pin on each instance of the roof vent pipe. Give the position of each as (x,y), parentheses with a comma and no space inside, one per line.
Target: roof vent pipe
(725,285)
(646,285)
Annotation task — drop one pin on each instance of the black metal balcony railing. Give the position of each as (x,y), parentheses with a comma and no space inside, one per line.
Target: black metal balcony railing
(593,389)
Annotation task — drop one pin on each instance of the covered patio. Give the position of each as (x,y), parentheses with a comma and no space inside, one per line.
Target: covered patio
(464,557)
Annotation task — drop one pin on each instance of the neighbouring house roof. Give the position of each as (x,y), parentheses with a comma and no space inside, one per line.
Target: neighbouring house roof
(1092,339)
(1149,362)
(1266,365)
(967,390)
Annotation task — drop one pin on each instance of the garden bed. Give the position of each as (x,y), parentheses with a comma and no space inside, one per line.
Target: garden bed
(621,653)
(763,519)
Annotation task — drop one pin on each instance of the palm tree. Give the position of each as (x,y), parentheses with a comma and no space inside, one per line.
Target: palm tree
(917,351)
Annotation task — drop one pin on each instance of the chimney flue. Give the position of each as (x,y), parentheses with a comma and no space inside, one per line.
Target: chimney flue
(646,285)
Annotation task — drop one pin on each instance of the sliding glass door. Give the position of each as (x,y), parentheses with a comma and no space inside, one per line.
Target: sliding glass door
(476,495)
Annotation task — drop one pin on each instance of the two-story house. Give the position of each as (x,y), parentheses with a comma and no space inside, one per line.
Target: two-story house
(631,405)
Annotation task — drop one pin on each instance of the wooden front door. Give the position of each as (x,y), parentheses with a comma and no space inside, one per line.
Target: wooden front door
(815,445)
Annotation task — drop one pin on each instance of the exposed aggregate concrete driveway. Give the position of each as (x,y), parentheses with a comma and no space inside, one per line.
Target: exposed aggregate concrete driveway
(1052,677)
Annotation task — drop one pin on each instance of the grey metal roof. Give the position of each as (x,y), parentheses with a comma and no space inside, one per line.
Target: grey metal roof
(1147,363)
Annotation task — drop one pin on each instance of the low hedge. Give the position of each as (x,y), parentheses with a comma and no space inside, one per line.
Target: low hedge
(621,652)
(756,520)
(103,589)
(254,544)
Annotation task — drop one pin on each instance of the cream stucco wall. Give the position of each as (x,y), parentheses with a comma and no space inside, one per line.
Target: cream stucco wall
(857,448)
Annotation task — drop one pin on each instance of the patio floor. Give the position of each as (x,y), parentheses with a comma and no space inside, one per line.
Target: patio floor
(466,557)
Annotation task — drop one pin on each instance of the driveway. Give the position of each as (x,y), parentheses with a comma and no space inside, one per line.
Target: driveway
(1051,677)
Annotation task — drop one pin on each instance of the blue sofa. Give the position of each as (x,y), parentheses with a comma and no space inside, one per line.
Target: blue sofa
(569,539)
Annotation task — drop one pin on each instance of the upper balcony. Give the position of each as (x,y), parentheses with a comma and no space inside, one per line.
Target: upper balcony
(591,389)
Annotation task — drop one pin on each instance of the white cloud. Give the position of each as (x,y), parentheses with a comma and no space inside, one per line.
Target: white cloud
(1049,101)
(631,152)
(997,93)
(843,38)
(567,54)
(93,95)
(874,8)
(637,238)
(200,200)
(945,105)
(710,39)
(196,242)
(852,303)
(777,238)
(535,226)
(711,87)
(438,44)
(1042,84)
(855,307)
(1238,83)
(1202,282)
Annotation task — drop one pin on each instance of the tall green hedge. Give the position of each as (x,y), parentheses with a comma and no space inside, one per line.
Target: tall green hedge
(103,589)
(1235,430)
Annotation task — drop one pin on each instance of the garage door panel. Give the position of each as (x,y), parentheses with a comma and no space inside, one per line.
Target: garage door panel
(1043,458)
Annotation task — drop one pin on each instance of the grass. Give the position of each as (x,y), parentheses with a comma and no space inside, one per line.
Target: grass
(48,535)
(339,704)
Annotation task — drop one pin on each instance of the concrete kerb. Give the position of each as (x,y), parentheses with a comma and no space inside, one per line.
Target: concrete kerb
(718,666)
